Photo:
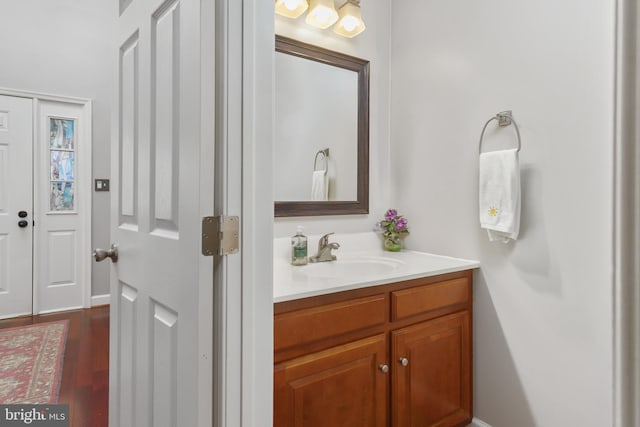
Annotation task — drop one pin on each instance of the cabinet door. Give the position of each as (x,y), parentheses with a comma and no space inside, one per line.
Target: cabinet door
(431,365)
(341,386)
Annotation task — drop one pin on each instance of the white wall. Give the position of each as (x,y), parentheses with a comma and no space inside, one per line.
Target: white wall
(373,45)
(64,48)
(543,306)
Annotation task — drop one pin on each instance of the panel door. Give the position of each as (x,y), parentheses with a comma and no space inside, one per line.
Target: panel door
(161,357)
(16,186)
(433,385)
(62,244)
(341,386)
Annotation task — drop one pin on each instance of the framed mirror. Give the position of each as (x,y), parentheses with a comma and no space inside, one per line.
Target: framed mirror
(321,145)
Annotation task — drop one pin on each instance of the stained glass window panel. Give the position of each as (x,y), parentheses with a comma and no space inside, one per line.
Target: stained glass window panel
(62,133)
(62,196)
(62,165)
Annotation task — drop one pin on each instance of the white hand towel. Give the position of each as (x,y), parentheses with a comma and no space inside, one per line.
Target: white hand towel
(500,194)
(319,186)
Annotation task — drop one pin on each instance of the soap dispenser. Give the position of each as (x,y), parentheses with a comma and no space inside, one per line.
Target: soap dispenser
(299,248)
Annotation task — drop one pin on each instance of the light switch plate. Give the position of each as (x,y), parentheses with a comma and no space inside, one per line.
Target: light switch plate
(101,185)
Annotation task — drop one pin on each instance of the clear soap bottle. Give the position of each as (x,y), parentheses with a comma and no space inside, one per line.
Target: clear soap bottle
(299,248)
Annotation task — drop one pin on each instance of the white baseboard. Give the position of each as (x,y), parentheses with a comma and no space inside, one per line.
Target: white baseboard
(478,423)
(97,300)
(59,310)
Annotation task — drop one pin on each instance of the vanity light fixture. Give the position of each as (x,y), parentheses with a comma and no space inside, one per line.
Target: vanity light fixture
(322,14)
(350,22)
(291,8)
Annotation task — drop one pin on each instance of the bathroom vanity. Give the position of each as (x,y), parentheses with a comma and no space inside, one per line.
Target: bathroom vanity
(385,339)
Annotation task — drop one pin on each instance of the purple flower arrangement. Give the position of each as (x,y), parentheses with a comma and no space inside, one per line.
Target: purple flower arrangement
(393,226)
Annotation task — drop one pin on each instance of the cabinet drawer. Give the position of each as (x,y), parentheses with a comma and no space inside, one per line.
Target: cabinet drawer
(422,299)
(309,325)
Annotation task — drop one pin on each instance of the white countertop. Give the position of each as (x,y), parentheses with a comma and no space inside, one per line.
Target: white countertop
(361,263)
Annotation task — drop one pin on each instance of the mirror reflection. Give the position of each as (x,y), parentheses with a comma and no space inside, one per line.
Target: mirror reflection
(317,129)
(321,131)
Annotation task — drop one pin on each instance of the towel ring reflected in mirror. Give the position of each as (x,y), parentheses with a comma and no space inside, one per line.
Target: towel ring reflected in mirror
(325,156)
(504,118)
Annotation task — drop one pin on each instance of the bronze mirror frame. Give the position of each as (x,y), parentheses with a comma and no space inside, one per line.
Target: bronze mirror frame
(361,67)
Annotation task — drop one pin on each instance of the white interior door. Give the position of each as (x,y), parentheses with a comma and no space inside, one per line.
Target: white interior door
(62,191)
(161,286)
(16,183)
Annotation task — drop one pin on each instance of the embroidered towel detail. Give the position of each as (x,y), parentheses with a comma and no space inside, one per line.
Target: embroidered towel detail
(499,195)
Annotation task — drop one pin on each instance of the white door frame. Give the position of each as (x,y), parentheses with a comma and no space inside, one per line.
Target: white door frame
(257,298)
(243,370)
(83,182)
(626,241)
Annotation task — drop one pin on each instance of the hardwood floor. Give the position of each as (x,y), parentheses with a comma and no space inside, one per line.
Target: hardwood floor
(85,373)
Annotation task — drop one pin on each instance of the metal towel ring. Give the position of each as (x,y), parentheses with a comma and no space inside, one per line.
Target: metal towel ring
(504,118)
(325,156)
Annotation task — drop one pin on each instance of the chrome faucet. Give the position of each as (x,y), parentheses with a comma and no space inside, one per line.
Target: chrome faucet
(324,250)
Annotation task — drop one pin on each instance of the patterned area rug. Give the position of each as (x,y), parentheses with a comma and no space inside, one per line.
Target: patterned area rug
(31,362)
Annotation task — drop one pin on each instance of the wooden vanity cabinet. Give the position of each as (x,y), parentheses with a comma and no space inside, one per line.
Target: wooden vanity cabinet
(432,374)
(395,355)
(340,386)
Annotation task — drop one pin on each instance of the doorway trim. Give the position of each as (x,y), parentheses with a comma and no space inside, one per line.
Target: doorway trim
(243,369)
(83,182)
(626,209)
(258,47)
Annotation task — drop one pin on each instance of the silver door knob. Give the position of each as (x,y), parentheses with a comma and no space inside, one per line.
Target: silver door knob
(384,368)
(101,254)
(403,361)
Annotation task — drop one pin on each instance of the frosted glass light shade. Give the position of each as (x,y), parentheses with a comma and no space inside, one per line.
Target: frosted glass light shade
(350,22)
(322,14)
(291,8)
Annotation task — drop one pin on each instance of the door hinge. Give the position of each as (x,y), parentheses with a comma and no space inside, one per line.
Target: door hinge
(220,235)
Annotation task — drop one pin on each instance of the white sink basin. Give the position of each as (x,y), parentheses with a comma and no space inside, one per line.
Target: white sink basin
(356,267)
(361,263)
